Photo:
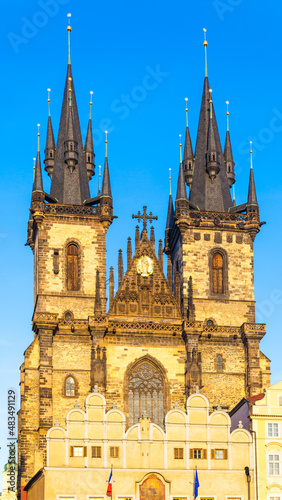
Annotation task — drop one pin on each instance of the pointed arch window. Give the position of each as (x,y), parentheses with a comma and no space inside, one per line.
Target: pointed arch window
(217,273)
(72,267)
(70,386)
(146,393)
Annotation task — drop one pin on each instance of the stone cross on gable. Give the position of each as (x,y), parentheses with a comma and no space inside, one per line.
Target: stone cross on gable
(145,217)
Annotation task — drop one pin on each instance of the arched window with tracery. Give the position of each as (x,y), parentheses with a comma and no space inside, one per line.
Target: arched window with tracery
(217,273)
(70,386)
(72,267)
(146,392)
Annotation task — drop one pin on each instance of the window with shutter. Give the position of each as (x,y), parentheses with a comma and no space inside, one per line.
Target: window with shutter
(114,451)
(96,451)
(217,273)
(72,268)
(178,453)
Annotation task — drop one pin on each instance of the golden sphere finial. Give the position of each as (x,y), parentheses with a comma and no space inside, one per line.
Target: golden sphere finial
(38,133)
(69,26)
(91,94)
(205,44)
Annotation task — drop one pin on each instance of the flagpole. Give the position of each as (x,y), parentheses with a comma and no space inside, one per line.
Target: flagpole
(112,482)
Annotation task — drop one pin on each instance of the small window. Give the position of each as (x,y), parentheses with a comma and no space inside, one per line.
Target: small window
(272,429)
(78,451)
(219,363)
(178,453)
(88,159)
(114,451)
(206,498)
(51,154)
(70,387)
(219,454)
(96,451)
(280,401)
(197,453)
(274,465)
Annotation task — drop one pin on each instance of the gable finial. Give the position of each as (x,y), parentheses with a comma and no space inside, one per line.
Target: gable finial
(49,100)
(205,44)
(169,181)
(106,144)
(251,154)
(186,110)
(99,181)
(69,32)
(180,146)
(91,102)
(227,114)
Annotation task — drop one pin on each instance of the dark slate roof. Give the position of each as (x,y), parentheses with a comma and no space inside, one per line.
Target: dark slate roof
(50,141)
(252,197)
(170,214)
(208,195)
(228,156)
(89,139)
(106,186)
(37,182)
(181,193)
(70,188)
(188,150)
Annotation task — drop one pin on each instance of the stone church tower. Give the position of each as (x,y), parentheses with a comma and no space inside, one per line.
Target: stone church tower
(163,337)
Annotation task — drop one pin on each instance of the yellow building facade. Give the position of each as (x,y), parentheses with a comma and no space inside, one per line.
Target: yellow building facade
(266,419)
(147,461)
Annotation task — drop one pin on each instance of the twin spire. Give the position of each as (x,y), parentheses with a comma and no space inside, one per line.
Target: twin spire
(210,172)
(70,165)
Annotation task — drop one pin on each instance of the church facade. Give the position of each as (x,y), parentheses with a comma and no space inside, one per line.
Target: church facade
(166,335)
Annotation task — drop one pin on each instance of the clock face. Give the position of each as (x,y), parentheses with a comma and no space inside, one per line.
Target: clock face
(145,265)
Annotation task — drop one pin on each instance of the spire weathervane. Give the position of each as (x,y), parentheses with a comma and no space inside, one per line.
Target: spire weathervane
(49,100)
(106,144)
(38,136)
(145,217)
(34,163)
(227,114)
(99,181)
(180,146)
(169,181)
(69,32)
(210,91)
(205,44)
(251,154)
(186,110)
(91,102)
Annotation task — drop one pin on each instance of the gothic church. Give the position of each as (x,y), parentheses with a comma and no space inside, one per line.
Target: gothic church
(166,334)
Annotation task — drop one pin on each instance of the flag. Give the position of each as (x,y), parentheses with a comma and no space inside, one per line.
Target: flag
(110,484)
(196,484)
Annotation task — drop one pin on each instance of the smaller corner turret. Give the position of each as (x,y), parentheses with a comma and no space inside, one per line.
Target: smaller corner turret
(228,156)
(88,148)
(213,160)
(70,144)
(188,158)
(106,199)
(50,143)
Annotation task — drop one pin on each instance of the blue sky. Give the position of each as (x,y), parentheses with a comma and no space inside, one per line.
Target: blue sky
(117,48)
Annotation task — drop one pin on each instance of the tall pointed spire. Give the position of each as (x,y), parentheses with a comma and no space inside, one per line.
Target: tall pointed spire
(181,193)
(37,181)
(252,196)
(50,142)
(228,156)
(188,152)
(213,166)
(69,186)
(88,148)
(106,187)
(170,210)
(205,194)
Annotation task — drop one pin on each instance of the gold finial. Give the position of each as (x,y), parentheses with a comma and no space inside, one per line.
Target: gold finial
(180,146)
(91,102)
(186,110)
(205,44)
(169,180)
(251,154)
(34,163)
(227,114)
(106,143)
(70,101)
(49,100)
(38,135)
(99,181)
(69,32)
(210,91)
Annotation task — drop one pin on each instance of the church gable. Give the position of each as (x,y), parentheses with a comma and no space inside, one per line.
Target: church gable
(143,290)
